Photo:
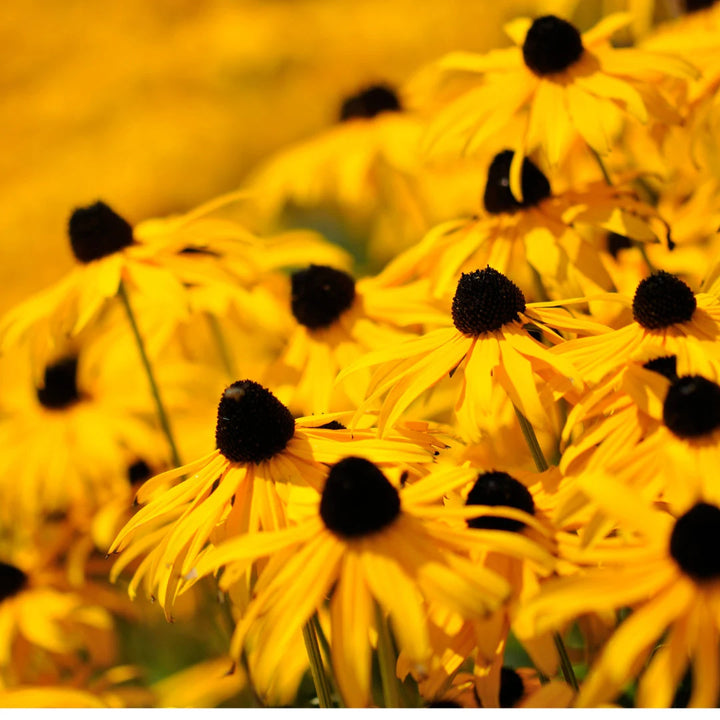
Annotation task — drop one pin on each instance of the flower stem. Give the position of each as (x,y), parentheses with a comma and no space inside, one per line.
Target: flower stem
(565,664)
(532,442)
(387,661)
(542,465)
(317,669)
(325,647)
(160,408)
(223,349)
(603,169)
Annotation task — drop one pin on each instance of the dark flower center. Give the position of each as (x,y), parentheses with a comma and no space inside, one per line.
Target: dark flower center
(617,242)
(97,231)
(60,389)
(139,472)
(332,425)
(320,295)
(358,499)
(498,488)
(484,301)
(12,581)
(695,5)
(692,407)
(499,199)
(511,688)
(694,542)
(444,704)
(369,103)
(252,425)
(662,300)
(665,366)
(551,45)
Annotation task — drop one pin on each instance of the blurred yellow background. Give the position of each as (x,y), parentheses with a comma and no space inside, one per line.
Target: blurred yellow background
(157,105)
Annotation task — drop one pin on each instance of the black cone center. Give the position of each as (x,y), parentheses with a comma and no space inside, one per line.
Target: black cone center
(551,45)
(662,300)
(499,489)
(665,366)
(694,542)
(139,472)
(97,231)
(692,407)
(511,688)
(358,499)
(252,425)
(499,199)
(370,102)
(484,301)
(12,581)
(320,294)
(60,386)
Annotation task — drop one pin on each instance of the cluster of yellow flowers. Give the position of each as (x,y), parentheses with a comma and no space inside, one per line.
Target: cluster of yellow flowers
(477,473)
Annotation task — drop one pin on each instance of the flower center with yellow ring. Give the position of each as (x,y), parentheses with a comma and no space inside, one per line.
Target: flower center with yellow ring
(692,407)
(694,540)
(369,103)
(60,388)
(499,489)
(12,580)
(358,499)
(97,231)
(662,300)
(551,45)
(252,425)
(499,199)
(320,294)
(484,301)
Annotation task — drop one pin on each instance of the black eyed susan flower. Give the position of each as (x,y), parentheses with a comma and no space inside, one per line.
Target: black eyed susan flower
(263,458)
(542,229)
(363,541)
(46,624)
(336,321)
(565,84)
(487,343)
(663,567)
(666,315)
(67,441)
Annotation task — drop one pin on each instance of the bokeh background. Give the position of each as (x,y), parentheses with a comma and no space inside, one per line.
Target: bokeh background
(157,105)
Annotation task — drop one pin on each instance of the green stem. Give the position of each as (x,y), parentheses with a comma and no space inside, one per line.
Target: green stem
(162,415)
(317,669)
(565,664)
(325,647)
(532,442)
(223,349)
(603,169)
(387,661)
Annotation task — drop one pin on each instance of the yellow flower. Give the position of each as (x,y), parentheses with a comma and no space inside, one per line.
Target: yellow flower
(543,230)
(372,542)
(336,321)
(487,343)
(565,84)
(664,567)
(667,315)
(66,444)
(263,455)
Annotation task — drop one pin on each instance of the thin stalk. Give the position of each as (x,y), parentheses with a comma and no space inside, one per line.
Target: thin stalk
(222,346)
(603,169)
(542,465)
(154,389)
(325,647)
(565,664)
(532,442)
(322,687)
(387,661)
